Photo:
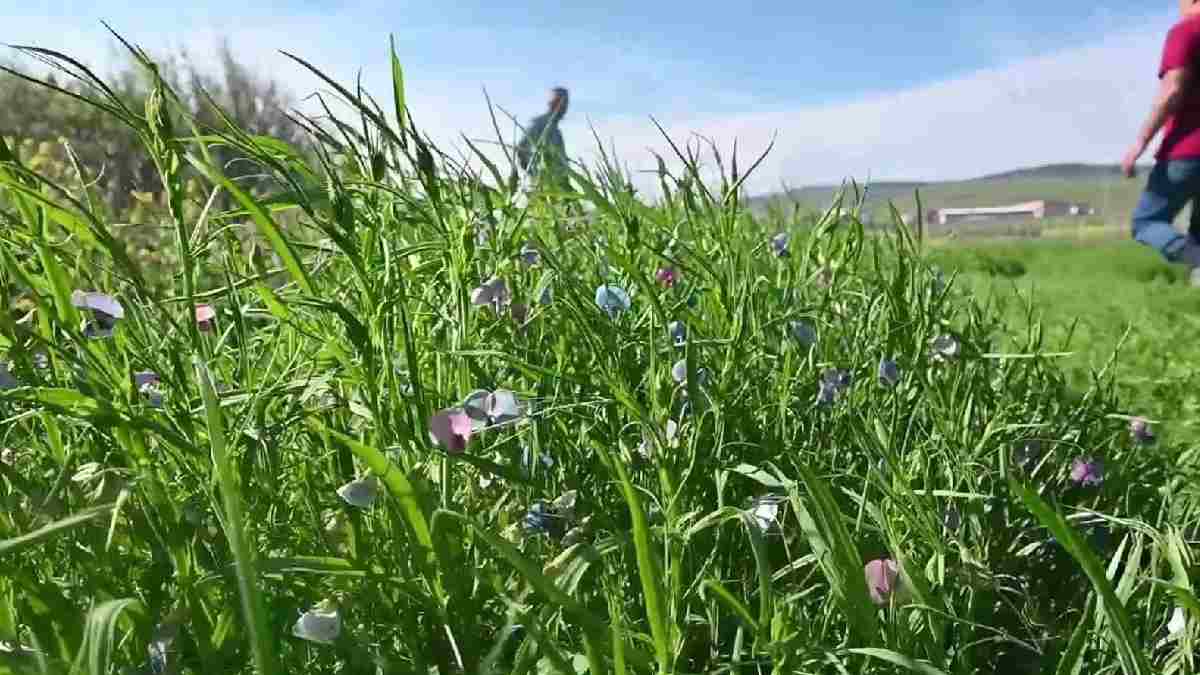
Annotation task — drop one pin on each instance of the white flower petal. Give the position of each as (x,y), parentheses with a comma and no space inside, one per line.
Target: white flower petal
(98,302)
(361,493)
(476,405)
(318,625)
(482,295)
(612,299)
(765,512)
(679,371)
(503,406)
(1178,622)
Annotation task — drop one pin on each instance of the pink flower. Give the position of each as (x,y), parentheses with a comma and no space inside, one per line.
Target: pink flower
(882,579)
(1139,430)
(667,276)
(205,315)
(451,429)
(1086,471)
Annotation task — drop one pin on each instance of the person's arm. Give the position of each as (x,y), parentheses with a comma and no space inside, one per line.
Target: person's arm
(1166,103)
(1175,77)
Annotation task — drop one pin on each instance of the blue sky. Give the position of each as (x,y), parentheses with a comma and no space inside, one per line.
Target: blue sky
(896,90)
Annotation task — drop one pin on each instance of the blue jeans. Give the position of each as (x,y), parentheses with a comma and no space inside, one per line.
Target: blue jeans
(1172,184)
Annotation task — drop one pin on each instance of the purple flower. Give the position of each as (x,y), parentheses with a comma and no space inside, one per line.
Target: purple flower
(803,332)
(834,381)
(147,384)
(530,255)
(1087,472)
(1139,430)
(882,579)
(105,311)
(667,276)
(492,292)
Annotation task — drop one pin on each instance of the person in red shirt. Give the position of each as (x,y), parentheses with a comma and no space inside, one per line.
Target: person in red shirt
(1175,178)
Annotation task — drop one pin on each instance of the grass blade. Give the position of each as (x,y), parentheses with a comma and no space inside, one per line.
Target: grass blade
(18,544)
(266,224)
(1120,629)
(253,611)
(648,570)
(836,553)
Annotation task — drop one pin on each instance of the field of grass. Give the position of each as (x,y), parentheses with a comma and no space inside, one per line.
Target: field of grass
(392,417)
(1111,303)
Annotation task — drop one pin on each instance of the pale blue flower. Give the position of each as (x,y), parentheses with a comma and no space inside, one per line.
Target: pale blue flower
(612,299)
(321,624)
(779,245)
(803,332)
(889,372)
(944,347)
(529,255)
(492,292)
(105,310)
(361,493)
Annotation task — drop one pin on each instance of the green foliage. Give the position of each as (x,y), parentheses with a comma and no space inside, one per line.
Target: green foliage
(592,530)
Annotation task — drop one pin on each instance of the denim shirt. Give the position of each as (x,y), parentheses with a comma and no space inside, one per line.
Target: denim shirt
(542,140)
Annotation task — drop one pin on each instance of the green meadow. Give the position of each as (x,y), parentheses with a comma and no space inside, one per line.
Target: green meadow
(343,403)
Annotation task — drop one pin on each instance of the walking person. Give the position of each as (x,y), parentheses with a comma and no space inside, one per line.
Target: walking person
(541,152)
(1175,179)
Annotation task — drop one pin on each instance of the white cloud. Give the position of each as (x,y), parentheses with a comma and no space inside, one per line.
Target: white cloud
(1082,103)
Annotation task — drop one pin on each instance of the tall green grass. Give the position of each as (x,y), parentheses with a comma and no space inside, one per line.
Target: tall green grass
(223,520)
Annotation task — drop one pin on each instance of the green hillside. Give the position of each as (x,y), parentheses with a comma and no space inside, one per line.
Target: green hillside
(1100,186)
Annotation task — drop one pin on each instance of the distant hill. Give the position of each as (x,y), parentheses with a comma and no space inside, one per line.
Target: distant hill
(1099,185)
(1058,172)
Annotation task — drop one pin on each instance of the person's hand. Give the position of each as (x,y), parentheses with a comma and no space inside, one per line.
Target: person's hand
(1129,164)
